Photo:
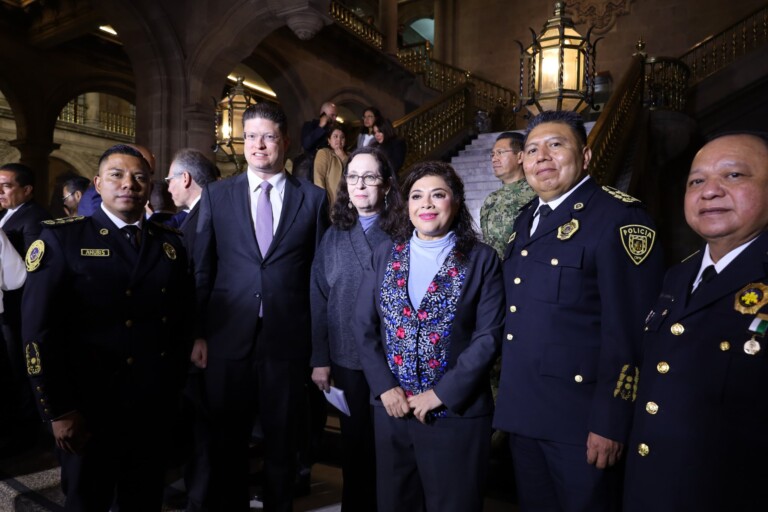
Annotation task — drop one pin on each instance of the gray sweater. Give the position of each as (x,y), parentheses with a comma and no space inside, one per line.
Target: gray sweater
(337,272)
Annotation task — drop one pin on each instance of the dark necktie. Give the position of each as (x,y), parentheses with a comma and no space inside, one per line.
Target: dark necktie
(543,211)
(132,235)
(264,219)
(706,276)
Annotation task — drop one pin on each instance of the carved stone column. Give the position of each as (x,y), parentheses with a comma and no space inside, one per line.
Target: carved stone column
(388,17)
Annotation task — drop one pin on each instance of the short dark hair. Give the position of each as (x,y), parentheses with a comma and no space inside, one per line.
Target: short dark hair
(332,127)
(345,217)
(516,140)
(462,226)
(199,167)
(269,112)
(569,118)
(125,149)
(76,183)
(22,174)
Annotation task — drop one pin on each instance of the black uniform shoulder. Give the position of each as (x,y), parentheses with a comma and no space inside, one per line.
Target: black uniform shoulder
(63,221)
(534,199)
(163,227)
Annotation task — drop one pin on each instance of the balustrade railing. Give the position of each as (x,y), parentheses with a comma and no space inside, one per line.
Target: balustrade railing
(719,50)
(359,27)
(74,113)
(666,84)
(118,123)
(428,127)
(610,135)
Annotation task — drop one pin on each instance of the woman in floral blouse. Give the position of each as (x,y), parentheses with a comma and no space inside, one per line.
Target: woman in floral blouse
(427,325)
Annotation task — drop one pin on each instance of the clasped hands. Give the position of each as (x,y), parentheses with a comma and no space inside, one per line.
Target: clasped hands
(398,405)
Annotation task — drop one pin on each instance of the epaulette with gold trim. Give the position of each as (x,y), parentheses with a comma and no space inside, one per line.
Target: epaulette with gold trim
(63,220)
(164,227)
(621,196)
(689,256)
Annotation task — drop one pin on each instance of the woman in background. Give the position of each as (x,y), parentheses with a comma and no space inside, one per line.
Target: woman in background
(371,116)
(362,218)
(388,141)
(428,324)
(330,161)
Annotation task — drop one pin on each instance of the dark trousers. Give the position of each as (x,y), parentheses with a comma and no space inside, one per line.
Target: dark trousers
(122,465)
(358,465)
(235,390)
(438,467)
(555,477)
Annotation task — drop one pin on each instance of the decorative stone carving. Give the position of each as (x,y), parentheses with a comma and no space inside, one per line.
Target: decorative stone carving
(305,24)
(601,14)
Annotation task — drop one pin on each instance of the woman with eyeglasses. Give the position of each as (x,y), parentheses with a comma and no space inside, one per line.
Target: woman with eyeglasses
(371,116)
(428,323)
(330,161)
(362,218)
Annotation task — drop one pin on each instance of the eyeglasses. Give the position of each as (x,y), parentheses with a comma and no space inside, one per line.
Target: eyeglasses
(68,196)
(369,116)
(500,152)
(169,178)
(269,138)
(368,179)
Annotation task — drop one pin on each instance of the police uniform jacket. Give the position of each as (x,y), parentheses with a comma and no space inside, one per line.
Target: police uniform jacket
(699,436)
(577,292)
(104,326)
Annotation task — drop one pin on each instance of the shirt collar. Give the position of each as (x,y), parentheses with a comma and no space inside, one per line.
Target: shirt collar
(277,181)
(557,202)
(117,222)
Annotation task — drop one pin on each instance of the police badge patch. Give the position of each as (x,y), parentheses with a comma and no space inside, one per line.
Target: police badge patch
(638,241)
(567,230)
(34,255)
(170,251)
(751,298)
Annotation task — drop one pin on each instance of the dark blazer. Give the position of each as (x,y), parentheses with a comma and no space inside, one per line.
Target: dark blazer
(464,388)
(701,410)
(395,150)
(574,316)
(24,226)
(234,280)
(341,260)
(131,348)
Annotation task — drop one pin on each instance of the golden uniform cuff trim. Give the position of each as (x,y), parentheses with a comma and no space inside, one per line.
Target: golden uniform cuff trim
(32,355)
(626,386)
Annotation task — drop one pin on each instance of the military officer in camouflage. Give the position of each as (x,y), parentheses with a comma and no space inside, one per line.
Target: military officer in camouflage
(580,273)
(699,438)
(500,209)
(106,381)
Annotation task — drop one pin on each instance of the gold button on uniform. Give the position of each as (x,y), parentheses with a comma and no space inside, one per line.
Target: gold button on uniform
(554,262)
(509,337)
(578,378)
(643,449)
(725,346)
(129,323)
(512,309)
(164,319)
(677,329)
(662,367)
(652,407)
(129,361)
(524,252)
(517,280)
(128,293)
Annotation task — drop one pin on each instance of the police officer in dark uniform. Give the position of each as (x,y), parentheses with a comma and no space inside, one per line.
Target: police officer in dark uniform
(106,341)
(699,438)
(580,272)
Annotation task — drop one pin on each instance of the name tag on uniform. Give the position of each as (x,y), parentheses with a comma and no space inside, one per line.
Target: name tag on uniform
(97,253)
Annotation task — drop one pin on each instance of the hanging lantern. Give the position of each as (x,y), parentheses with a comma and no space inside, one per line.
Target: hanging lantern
(229,122)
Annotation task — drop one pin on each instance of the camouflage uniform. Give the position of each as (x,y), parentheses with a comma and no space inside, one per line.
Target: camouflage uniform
(499,211)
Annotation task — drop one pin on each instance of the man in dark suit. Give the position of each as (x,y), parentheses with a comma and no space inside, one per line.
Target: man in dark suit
(699,434)
(580,272)
(106,383)
(20,220)
(256,239)
(190,171)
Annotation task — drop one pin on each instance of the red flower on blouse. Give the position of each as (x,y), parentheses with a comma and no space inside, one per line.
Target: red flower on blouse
(395,265)
(401,282)
(434,363)
(432,288)
(422,314)
(398,359)
(400,247)
(434,337)
(453,272)
(407,311)
(400,333)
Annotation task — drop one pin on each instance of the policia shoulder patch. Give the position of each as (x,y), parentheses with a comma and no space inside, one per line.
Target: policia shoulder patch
(34,255)
(638,241)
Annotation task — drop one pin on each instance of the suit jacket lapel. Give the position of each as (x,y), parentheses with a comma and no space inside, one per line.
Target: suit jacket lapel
(749,266)
(293,197)
(240,194)
(565,211)
(360,245)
